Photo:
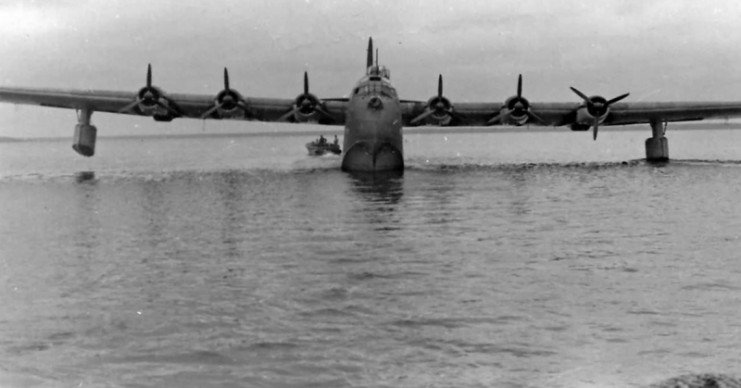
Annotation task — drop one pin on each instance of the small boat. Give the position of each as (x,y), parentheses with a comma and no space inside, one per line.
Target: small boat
(321,146)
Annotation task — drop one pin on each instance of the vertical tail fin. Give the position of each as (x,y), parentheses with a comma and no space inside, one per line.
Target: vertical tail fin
(370,54)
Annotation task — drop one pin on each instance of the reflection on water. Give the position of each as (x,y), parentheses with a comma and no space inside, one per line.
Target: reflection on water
(384,187)
(448,274)
(84,176)
(151,210)
(231,186)
(379,195)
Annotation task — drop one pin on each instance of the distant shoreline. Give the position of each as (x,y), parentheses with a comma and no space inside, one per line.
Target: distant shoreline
(337,130)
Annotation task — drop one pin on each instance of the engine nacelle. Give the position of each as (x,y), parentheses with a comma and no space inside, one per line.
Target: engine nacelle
(438,111)
(440,107)
(511,116)
(84,140)
(516,110)
(310,118)
(309,109)
(148,110)
(440,121)
(580,127)
(585,118)
(162,118)
(228,102)
(152,101)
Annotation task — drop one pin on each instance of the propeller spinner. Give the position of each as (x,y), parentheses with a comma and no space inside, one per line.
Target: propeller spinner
(306,103)
(438,106)
(597,106)
(517,106)
(227,100)
(149,97)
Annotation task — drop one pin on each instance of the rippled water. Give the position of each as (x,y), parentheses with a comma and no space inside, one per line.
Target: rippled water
(522,260)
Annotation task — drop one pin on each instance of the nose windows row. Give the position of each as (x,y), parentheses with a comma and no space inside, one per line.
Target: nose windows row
(374,89)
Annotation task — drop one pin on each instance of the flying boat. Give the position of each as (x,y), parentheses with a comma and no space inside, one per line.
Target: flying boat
(373,115)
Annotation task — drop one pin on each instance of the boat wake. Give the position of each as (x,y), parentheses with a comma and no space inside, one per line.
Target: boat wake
(423,165)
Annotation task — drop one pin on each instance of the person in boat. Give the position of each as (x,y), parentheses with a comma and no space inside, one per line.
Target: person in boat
(336,142)
(322,140)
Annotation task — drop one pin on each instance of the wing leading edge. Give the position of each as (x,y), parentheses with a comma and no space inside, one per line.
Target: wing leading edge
(153,101)
(150,100)
(438,110)
(591,112)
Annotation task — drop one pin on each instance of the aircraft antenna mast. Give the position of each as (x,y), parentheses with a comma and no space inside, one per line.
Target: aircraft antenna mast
(370,54)
(376,57)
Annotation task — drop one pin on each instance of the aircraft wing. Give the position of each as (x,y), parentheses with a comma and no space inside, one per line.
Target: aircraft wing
(104,101)
(645,112)
(476,114)
(590,112)
(169,106)
(560,113)
(461,114)
(152,101)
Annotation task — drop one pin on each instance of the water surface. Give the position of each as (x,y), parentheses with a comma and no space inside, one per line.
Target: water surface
(506,259)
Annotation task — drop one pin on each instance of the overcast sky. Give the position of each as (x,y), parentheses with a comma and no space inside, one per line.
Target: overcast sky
(661,50)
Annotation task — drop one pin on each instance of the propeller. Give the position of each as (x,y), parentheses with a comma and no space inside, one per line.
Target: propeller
(437,105)
(597,106)
(306,103)
(227,99)
(149,96)
(517,106)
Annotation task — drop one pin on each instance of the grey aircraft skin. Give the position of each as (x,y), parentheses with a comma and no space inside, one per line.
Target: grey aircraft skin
(373,115)
(373,124)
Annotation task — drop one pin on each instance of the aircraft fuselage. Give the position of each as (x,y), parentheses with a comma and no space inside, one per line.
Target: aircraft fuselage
(373,125)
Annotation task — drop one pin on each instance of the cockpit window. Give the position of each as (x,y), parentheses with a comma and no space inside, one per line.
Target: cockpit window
(385,73)
(378,72)
(382,88)
(391,92)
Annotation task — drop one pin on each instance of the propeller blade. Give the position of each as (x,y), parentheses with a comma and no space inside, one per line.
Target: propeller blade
(286,116)
(241,105)
(131,106)
(519,87)
(497,118)
(596,126)
(616,99)
(169,109)
(210,111)
(454,114)
(306,82)
(440,86)
(149,75)
(582,95)
(322,112)
(422,116)
(226,79)
(535,117)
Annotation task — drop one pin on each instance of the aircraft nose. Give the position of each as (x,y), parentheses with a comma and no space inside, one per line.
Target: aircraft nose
(375,103)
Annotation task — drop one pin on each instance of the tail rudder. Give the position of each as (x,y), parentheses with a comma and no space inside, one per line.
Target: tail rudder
(370,54)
